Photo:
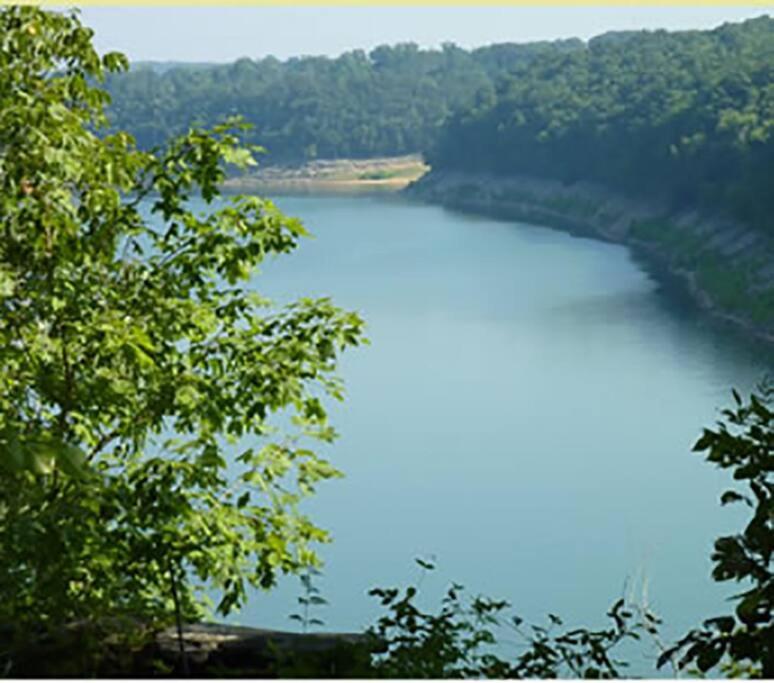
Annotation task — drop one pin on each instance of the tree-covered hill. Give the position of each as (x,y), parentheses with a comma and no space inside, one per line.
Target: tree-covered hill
(390,101)
(685,117)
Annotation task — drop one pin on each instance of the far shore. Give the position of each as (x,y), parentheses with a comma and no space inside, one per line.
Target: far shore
(333,176)
(590,210)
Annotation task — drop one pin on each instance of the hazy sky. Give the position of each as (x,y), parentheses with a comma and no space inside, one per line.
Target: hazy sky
(227,33)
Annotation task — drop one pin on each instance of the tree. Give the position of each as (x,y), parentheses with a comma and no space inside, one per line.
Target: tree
(139,372)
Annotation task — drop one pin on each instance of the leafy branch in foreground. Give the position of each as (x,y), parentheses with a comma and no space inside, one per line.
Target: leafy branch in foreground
(138,370)
(742,642)
(468,637)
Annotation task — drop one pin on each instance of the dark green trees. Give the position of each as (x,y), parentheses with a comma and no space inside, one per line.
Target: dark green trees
(390,101)
(685,118)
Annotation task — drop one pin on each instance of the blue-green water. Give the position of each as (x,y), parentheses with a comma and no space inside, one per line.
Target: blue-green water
(524,413)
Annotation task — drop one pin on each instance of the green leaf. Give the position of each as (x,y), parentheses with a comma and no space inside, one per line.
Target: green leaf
(238,157)
(709,657)
(706,441)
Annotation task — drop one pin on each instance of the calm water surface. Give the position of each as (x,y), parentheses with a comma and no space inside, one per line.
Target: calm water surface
(524,414)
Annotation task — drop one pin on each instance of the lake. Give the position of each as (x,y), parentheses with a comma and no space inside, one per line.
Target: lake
(524,415)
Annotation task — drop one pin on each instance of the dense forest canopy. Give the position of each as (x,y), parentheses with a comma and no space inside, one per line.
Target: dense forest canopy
(685,117)
(389,101)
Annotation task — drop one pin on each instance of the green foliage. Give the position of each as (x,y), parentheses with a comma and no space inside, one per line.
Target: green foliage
(744,444)
(685,118)
(138,371)
(465,640)
(310,600)
(388,102)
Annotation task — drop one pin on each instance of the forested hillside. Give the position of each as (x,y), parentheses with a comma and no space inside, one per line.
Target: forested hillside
(685,117)
(390,101)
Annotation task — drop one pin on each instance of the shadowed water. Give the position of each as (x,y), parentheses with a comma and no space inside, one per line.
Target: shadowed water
(524,413)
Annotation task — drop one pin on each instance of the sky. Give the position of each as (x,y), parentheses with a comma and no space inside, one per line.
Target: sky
(212,34)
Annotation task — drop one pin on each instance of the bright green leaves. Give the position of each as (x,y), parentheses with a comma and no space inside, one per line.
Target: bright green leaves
(115,61)
(196,160)
(7,283)
(228,243)
(240,158)
(135,357)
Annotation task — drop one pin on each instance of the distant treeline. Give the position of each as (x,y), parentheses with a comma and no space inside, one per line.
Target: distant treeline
(387,102)
(685,117)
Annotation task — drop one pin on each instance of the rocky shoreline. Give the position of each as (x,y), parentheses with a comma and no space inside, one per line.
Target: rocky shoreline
(726,268)
(332,176)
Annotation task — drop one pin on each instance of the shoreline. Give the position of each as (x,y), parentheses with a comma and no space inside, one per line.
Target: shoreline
(333,176)
(723,267)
